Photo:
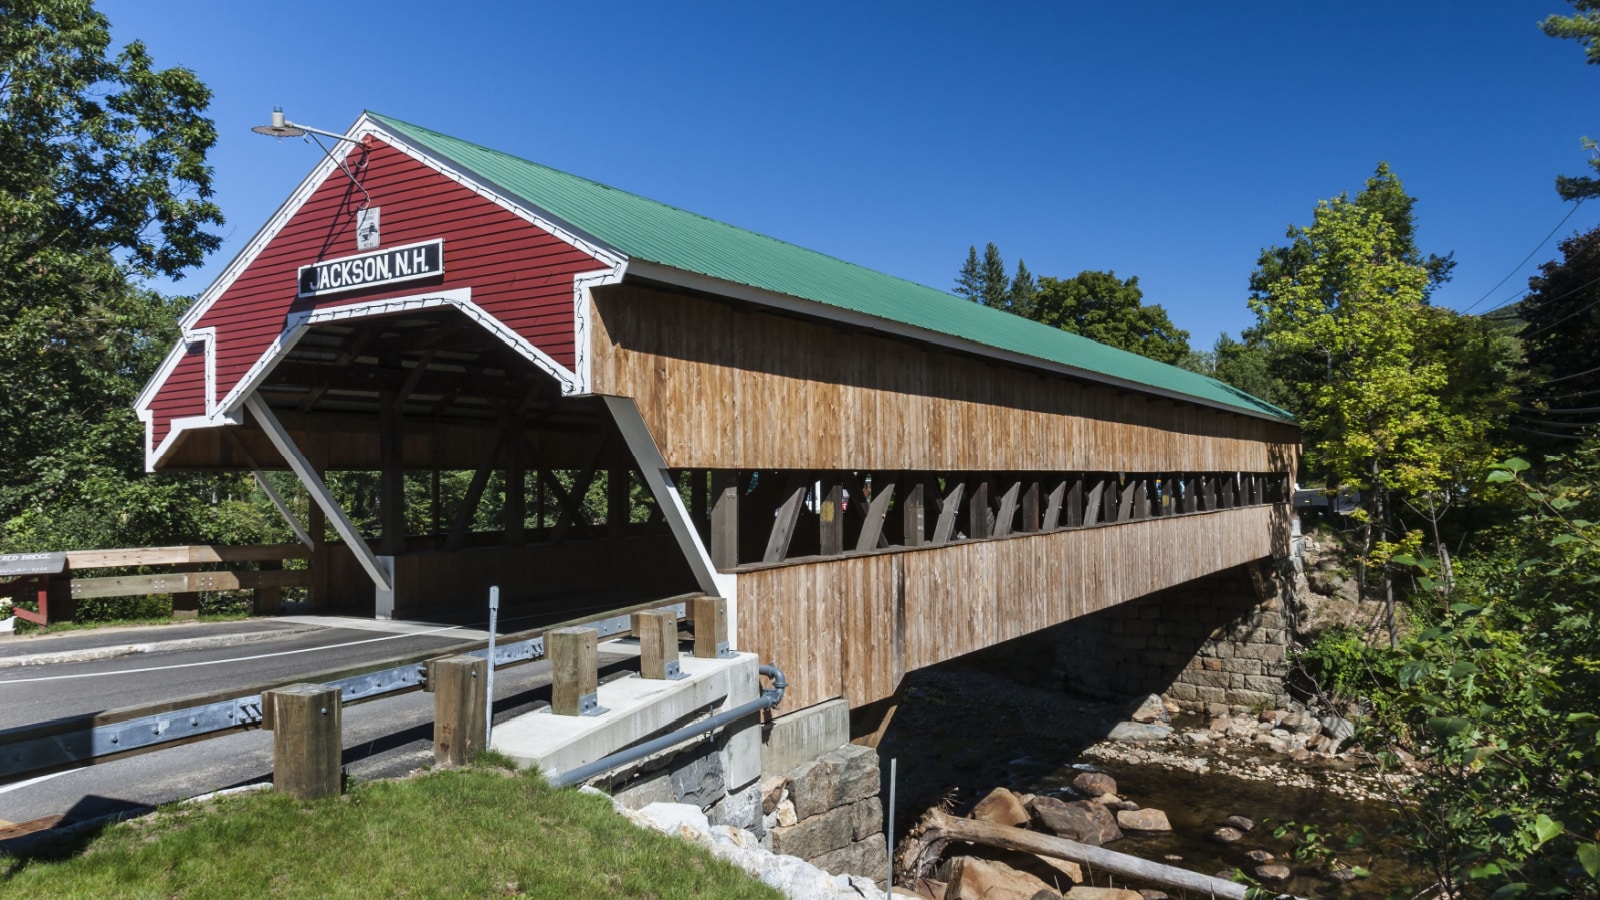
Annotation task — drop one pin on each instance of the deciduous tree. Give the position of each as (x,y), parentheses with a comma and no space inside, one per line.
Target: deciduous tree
(1111,310)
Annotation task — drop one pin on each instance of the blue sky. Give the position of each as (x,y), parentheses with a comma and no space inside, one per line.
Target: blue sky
(1167,140)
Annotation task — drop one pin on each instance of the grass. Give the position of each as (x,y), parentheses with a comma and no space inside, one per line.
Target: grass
(476,832)
(26,627)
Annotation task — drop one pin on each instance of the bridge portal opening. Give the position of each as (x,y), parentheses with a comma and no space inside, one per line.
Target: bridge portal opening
(460,464)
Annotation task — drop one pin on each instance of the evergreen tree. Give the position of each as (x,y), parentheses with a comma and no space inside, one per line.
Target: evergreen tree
(1024,288)
(1582,26)
(969,282)
(996,285)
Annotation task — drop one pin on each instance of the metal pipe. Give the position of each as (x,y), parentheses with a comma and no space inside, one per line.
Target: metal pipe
(769,698)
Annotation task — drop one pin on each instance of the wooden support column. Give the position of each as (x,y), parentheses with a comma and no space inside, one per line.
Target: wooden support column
(657,631)
(460,708)
(306,725)
(877,512)
(1125,503)
(1141,497)
(1008,511)
(1030,507)
(1095,505)
(1227,500)
(1075,502)
(516,510)
(979,515)
(724,541)
(1111,499)
(913,518)
(830,521)
(1208,485)
(268,600)
(945,529)
(574,671)
(783,525)
(619,503)
(392,475)
(1054,506)
(186,604)
(710,615)
(700,503)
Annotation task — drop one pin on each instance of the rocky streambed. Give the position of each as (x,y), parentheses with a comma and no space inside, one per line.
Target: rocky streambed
(1185,785)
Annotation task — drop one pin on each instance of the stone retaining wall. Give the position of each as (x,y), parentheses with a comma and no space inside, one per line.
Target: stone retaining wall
(817,797)
(1212,641)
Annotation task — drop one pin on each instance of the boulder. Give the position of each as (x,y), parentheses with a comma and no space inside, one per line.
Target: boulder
(1137,733)
(1300,723)
(1093,784)
(1274,872)
(1143,820)
(1260,856)
(1002,808)
(1240,822)
(1083,821)
(1338,728)
(837,778)
(972,878)
(1148,710)
(1067,867)
(1226,835)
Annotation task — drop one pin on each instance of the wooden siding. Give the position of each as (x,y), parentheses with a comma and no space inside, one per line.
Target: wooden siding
(736,388)
(518,273)
(183,395)
(852,627)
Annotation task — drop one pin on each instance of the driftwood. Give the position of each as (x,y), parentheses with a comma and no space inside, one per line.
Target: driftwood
(921,850)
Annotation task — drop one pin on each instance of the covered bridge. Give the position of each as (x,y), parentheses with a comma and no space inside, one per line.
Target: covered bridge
(877,475)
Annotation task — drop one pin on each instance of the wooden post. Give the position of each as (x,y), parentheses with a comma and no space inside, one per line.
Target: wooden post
(725,519)
(710,615)
(1030,507)
(877,512)
(783,526)
(913,521)
(1075,502)
(186,604)
(657,631)
(460,705)
(306,724)
(619,506)
(830,521)
(268,601)
(700,502)
(516,511)
(574,671)
(978,510)
(392,475)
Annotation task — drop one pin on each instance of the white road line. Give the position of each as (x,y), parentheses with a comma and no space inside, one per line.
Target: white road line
(22,784)
(220,662)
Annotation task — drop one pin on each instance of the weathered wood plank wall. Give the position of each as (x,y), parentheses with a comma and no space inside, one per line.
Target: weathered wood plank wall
(735,388)
(852,627)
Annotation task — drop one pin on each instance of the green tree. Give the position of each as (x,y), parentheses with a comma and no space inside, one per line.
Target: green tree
(1024,288)
(104,181)
(1111,310)
(1560,316)
(969,281)
(1500,699)
(996,286)
(1582,26)
(1351,305)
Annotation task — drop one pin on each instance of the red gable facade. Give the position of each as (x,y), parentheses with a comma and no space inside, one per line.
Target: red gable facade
(508,268)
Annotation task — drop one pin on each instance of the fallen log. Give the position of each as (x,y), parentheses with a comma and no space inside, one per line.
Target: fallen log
(925,844)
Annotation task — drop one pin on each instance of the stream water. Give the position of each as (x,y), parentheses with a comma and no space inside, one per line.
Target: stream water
(963,729)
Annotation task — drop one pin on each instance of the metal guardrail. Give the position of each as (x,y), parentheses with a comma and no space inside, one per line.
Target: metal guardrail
(30,750)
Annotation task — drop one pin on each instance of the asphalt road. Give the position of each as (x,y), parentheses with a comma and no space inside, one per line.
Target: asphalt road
(382,738)
(30,694)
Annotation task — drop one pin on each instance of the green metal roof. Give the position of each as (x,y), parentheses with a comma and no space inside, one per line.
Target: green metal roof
(646,230)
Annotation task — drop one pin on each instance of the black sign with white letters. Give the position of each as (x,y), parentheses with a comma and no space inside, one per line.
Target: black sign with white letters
(368,270)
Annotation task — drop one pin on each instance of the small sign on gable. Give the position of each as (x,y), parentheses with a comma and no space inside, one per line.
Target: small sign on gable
(15,565)
(368,270)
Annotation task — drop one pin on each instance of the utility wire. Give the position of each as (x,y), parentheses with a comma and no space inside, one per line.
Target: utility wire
(1575,290)
(1525,259)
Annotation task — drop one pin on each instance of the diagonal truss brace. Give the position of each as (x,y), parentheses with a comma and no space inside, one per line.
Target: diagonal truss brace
(319,491)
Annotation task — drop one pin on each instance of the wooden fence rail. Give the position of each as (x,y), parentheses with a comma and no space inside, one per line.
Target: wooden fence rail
(55,580)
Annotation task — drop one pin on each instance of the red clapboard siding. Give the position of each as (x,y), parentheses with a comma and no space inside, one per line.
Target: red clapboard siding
(518,273)
(183,394)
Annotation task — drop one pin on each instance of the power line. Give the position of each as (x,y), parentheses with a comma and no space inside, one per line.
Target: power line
(1525,259)
(1575,290)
